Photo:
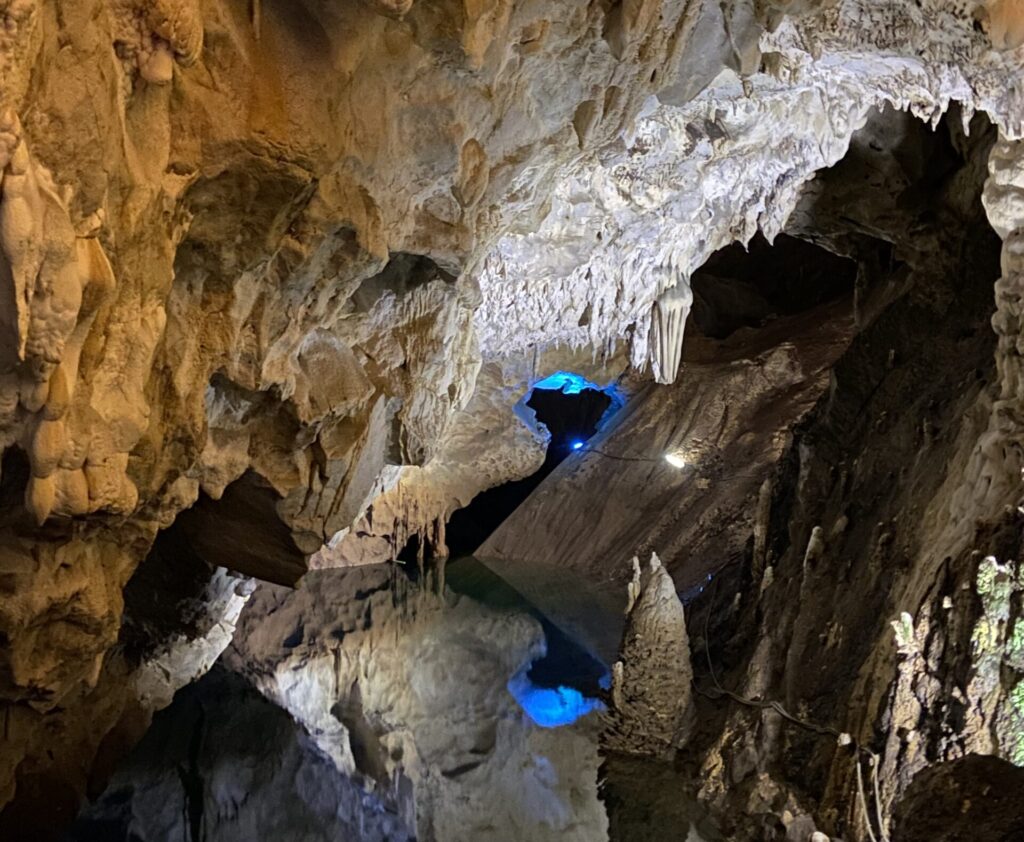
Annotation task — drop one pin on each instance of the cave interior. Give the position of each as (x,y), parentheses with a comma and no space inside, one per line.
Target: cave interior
(511,421)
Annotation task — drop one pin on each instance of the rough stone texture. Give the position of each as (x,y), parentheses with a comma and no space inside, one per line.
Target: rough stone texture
(897,490)
(690,179)
(199,774)
(648,801)
(409,695)
(282,240)
(984,714)
(651,712)
(231,239)
(179,643)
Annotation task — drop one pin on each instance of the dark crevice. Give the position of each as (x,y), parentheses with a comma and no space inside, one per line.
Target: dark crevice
(571,419)
(243,531)
(164,597)
(403,273)
(748,287)
(14,475)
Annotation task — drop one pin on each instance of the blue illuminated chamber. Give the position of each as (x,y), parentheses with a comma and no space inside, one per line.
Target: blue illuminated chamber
(567,383)
(570,383)
(550,707)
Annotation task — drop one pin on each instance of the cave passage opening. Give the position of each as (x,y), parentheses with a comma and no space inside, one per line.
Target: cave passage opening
(748,286)
(566,681)
(573,409)
(563,682)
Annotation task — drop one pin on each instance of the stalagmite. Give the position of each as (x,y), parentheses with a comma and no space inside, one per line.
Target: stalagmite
(652,709)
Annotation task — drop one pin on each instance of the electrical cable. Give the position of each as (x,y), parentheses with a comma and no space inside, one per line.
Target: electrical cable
(586,449)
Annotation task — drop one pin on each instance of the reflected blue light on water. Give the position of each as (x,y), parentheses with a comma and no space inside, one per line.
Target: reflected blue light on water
(550,707)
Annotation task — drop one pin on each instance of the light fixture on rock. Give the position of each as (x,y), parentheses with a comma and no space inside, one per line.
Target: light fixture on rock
(676,458)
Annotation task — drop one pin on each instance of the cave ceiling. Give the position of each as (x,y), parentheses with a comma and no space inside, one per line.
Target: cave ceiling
(290,268)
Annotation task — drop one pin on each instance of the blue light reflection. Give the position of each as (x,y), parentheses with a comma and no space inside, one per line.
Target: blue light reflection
(566,382)
(550,707)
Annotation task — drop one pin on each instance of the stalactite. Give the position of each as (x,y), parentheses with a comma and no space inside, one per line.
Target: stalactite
(668,322)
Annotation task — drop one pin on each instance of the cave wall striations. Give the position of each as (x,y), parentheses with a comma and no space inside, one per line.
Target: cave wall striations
(233,239)
(271,246)
(891,607)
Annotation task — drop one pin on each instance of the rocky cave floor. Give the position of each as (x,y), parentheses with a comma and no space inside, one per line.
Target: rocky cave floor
(509,421)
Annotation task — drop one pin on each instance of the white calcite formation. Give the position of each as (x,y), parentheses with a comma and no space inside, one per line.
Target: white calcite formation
(691,179)
(494,439)
(407,693)
(285,241)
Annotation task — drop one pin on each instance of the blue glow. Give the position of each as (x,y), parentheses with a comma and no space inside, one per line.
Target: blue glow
(566,382)
(550,707)
(576,445)
(570,383)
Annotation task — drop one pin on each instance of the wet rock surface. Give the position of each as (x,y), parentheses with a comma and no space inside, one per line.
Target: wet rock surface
(224,763)
(275,280)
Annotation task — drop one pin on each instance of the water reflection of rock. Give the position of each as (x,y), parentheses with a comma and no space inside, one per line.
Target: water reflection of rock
(406,692)
(646,801)
(222,763)
(359,706)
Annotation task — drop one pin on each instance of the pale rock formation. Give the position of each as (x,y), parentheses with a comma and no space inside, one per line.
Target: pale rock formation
(57,283)
(873,511)
(155,35)
(690,179)
(115,695)
(651,711)
(494,439)
(257,267)
(668,322)
(287,246)
(199,772)
(407,692)
(183,658)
